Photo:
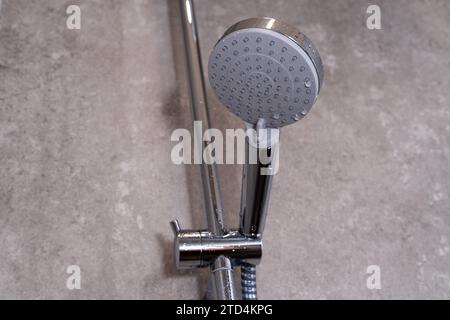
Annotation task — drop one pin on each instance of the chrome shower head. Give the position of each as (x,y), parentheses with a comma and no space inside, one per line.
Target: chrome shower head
(264,69)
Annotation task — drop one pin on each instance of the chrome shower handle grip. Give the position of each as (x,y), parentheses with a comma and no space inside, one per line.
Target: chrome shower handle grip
(257,177)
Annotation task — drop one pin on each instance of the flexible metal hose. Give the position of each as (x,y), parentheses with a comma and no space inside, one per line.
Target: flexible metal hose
(248,282)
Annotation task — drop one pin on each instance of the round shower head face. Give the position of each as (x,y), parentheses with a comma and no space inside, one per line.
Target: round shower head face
(264,69)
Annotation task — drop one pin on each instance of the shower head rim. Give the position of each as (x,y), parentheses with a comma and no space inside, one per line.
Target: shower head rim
(286,30)
(262,68)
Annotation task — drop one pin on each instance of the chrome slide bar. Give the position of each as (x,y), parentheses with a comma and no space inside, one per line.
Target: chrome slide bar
(222,271)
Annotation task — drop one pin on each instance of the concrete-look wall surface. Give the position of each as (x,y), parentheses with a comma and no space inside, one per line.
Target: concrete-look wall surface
(86,177)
